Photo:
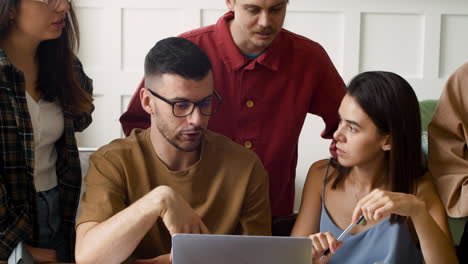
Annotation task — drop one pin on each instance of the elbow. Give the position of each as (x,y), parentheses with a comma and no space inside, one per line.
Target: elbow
(83,258)
(85,255)
(93,258)
(93,255)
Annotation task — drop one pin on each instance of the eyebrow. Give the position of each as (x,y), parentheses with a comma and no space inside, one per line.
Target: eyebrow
(255,6)
(353,122)
(187,100)
(279,4)
(350,121)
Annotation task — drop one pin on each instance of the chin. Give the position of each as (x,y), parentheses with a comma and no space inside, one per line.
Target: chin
(53,35)
(189,147)
(344,162)
(262,44)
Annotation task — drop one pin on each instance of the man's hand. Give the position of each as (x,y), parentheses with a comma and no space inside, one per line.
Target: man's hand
(177,214)
(42,255)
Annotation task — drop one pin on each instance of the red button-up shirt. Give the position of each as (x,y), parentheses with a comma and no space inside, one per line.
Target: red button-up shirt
(265,100)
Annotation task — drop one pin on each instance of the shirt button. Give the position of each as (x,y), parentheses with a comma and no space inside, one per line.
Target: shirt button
(248,144)
(249,103)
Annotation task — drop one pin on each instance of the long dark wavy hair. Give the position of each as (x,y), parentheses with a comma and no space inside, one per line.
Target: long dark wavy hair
(393,107)
(57,79)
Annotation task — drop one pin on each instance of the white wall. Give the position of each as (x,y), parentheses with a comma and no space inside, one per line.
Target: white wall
(422,40)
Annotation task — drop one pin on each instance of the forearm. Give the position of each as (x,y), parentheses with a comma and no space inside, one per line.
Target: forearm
(115,239)
(451,177)
(15,226)
(436,246)
(305,225)
(12,235)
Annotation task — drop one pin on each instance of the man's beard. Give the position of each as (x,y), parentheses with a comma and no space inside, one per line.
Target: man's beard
(173,140)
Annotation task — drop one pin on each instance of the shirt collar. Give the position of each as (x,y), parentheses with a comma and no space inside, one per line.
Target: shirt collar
(233,57)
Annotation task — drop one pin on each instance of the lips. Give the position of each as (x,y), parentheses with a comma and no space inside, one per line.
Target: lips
(194,137)
(340,152)
(60,21)
(191,134)
(264,34)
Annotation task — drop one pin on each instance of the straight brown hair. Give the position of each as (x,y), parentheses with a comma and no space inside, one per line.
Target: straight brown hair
(57,77)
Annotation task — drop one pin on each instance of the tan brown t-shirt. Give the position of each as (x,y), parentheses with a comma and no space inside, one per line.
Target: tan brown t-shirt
(227,187)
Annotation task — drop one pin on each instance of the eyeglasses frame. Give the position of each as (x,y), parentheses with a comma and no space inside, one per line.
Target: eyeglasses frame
(195,104)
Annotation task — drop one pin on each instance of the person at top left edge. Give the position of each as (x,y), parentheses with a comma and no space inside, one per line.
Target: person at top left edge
(45,97)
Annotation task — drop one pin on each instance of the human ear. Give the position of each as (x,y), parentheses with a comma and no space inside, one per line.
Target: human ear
(230,4)
(386,144)
(146,101)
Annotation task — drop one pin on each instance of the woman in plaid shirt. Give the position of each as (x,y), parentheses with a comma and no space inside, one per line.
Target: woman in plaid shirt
(45,97)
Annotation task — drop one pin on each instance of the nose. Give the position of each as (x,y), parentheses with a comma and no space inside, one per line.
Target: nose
(338,135)
(195,118)
(64,6)
(264,19)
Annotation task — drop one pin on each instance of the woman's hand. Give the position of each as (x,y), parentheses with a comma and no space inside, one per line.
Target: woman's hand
(379,204)
(320,243)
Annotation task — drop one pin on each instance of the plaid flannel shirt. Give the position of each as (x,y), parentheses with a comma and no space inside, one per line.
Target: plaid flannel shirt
(17,192)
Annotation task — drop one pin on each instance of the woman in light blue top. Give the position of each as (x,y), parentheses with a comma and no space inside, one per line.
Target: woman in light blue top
(379,174)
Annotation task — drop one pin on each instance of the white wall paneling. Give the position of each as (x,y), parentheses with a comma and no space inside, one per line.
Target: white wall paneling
(141,27)
(422,40)
(210,16)
(454,43)
(392,42)
(326,28)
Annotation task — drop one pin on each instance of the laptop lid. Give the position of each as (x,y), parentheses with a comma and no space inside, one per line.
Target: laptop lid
(227,249)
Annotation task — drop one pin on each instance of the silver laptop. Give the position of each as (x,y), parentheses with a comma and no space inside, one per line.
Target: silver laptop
(226,249)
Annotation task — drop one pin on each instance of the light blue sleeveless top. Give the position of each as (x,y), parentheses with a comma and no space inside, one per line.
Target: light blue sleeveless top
(383,243)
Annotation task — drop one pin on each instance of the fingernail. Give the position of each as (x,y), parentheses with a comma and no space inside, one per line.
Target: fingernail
(363,222)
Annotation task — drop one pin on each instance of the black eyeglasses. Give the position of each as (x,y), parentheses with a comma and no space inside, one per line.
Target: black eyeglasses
(208,106)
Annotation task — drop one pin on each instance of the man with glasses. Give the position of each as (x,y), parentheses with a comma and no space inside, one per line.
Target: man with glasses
(270,79)
(174,177)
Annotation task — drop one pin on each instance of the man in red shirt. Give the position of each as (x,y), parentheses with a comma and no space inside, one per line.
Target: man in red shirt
(269,79)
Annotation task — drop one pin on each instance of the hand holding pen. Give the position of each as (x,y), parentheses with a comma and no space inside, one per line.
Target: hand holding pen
(324,243)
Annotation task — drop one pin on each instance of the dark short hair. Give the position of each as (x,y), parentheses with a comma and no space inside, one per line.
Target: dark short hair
(177,56)
(393,107)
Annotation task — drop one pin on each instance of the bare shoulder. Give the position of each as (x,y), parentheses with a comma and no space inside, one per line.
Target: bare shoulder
(426,190)
(319,167)
(316,174)
(308,221)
